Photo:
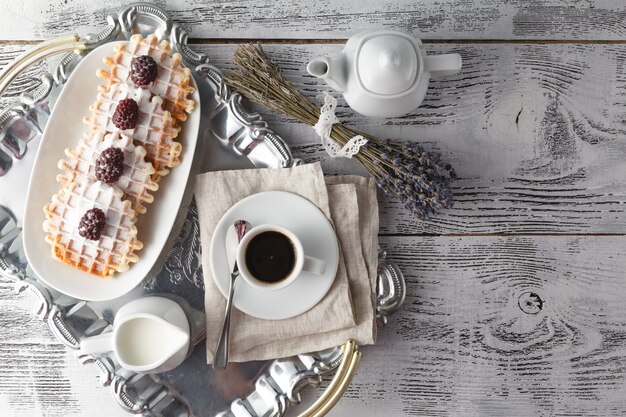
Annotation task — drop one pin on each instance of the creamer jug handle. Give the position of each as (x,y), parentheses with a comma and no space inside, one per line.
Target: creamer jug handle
(97,344)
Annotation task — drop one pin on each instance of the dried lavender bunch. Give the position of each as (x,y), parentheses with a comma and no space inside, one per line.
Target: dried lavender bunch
(419,179)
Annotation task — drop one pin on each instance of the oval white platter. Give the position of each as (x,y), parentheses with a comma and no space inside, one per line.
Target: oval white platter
(63,130)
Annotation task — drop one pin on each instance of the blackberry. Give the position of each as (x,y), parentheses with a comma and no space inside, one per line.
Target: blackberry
(91,224)
(143,70)
(126,114)
(110,165)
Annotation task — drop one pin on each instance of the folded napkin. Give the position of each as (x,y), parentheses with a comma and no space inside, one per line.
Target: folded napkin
(347,310)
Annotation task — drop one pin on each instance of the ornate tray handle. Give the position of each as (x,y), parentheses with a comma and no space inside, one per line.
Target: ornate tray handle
(40,52)
(349,363)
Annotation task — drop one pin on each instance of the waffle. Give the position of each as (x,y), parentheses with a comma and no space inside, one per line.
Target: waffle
(135,182)
(115,249)
(173,81)
(154,130)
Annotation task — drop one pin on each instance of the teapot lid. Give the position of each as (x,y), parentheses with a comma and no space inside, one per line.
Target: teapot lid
(387,64)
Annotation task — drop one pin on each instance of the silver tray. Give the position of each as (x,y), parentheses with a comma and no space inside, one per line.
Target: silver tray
(232,135)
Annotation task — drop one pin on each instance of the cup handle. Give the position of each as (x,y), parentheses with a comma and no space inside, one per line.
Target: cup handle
(314,265)
(97,344)
(441,65)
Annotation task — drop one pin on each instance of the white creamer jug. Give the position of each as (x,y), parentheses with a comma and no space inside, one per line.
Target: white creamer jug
(150,335)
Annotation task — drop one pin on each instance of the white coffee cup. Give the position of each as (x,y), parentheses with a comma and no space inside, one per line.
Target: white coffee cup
(302,262)
(150,335)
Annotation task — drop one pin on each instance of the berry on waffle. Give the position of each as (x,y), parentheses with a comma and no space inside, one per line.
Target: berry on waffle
(153,131)
(173,79)
(135,179)
(117,243)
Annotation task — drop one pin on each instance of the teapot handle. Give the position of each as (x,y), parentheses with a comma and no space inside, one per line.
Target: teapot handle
(442,65)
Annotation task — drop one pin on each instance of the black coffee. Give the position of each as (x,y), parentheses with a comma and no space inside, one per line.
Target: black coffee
(270,256)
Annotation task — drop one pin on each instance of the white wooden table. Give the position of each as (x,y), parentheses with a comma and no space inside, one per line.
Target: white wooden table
(515,302)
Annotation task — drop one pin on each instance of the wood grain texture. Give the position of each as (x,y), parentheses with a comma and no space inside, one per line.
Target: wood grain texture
(535,132)
(38,375)
(520,325)
(305,19)
(463,346)
(27,81)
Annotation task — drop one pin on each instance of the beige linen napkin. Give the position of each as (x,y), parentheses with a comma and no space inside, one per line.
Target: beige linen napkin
(332,321)
(368,225)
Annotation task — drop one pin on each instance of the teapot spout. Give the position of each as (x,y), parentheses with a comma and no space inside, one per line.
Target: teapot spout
(330,69)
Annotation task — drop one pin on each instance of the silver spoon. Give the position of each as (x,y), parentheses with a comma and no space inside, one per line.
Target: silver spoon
(239,228)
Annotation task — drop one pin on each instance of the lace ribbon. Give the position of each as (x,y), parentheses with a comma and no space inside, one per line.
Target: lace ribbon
(324,126)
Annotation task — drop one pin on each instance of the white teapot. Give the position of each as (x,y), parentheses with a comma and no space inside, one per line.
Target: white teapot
(383,73)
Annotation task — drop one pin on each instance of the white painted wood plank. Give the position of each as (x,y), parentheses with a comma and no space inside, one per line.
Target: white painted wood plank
(462,345)
(535,132)
(38,375)
(558,169)
(25,82)
(450,19)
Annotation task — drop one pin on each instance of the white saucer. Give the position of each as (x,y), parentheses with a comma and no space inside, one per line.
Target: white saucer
(318,240)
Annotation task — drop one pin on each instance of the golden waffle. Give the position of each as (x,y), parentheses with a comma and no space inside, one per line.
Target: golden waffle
(135,181)
(154,130)
(114,250)
(173,81)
